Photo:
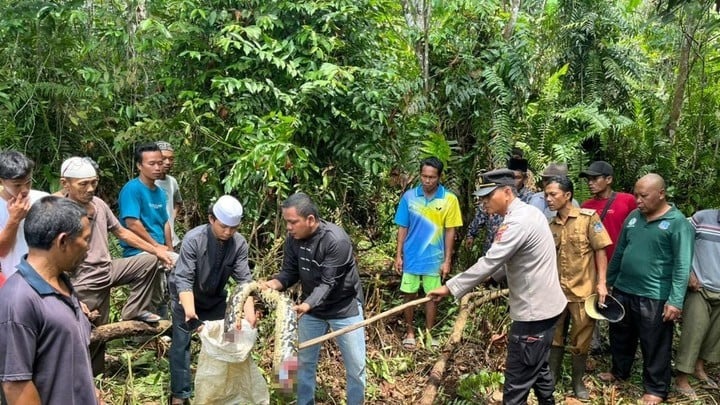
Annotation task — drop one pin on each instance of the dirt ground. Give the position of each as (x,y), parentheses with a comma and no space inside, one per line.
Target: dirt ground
(405,374)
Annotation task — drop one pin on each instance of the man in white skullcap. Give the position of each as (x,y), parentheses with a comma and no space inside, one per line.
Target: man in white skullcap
(98,273)
(209,255)
(170,185)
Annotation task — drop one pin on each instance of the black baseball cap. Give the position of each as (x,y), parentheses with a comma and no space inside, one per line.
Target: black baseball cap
(612,311)
(597,168)
(494,179)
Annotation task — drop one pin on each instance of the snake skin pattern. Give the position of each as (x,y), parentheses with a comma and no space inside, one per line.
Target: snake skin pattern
(286,338)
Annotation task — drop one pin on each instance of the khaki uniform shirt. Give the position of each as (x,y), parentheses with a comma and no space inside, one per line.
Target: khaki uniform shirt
(524,244)
(576,240)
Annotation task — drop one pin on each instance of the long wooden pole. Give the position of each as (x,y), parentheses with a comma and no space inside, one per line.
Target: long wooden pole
(399,308)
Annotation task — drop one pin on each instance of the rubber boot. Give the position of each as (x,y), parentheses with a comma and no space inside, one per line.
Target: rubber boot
(578,370)
(555,363)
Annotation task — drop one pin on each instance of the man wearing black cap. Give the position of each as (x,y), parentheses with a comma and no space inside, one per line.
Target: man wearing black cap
(613,208)
(525,245)
(491,223)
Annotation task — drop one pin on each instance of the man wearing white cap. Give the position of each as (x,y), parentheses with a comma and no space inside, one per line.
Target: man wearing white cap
(170,185)
(98,273)
(209,255)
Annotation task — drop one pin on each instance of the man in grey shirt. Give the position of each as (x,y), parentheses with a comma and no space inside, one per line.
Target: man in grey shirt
(525,245)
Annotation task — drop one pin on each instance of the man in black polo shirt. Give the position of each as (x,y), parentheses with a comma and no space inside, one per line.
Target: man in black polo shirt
(319,255)
(44,334)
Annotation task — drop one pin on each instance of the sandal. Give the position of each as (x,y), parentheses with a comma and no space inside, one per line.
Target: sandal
(688,392)
(408,343)
(148,317)
(708,383)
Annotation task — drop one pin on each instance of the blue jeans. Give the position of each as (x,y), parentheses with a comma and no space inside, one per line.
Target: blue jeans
(352,347)
(180,377)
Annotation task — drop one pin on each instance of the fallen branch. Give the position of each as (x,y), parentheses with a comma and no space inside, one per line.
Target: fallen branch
(111,331)
(399,308)
(467,304)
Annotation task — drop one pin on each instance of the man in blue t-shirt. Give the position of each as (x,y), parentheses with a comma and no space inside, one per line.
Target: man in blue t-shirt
(142,203)
(427,217)
(143,210)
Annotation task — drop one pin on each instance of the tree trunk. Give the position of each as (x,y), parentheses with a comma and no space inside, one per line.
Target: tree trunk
(510,27)
(680,83)
(417,15)
(123,329)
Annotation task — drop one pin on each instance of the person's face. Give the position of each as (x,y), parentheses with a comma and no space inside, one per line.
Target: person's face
(80,190)
(220,230)
(151,167)
(649,197)
(430,179)
(519,179)
(18,188)
(297,226)
(598,184)
(555,197)
(168,158)
(74,250)
(496,201)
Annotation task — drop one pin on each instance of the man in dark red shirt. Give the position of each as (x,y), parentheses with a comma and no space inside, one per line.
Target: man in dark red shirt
(611,206)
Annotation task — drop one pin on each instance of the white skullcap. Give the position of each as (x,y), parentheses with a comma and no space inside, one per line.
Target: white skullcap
(77,168)
(228,210)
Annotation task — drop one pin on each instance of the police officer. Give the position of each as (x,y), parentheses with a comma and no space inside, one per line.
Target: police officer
(525,245)
(581,239)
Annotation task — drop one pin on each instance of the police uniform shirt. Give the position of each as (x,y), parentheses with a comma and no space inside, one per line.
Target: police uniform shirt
(525,244)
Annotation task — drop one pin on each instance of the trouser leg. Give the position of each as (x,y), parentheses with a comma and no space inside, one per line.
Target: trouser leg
(656,345)
(527,368)
(352,347)
(141,274)
(696,320)
(309,328)
(624,337)
(180,377)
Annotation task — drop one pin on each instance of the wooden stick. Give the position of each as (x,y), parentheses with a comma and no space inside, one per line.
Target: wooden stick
(399,308)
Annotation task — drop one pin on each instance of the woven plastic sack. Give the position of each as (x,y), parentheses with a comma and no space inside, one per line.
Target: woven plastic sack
(226,373)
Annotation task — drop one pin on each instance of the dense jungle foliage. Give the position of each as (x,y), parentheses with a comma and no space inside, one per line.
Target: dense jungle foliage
(341,99)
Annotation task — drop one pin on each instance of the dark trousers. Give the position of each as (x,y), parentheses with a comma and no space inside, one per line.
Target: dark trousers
(526,366)
(643,322)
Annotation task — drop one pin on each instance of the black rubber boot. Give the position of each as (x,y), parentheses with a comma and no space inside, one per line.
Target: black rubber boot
(555,363)
(578,370)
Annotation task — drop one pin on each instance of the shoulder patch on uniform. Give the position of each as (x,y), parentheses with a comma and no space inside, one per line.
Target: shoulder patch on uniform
(499,234)
(587,211)
(598,227)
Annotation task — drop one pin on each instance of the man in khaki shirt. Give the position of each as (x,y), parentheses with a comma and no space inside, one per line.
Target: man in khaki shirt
(580,240)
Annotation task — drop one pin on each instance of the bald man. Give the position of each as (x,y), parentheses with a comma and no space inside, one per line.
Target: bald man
(649,274)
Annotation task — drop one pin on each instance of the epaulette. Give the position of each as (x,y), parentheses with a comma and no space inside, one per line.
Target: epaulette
(587,211)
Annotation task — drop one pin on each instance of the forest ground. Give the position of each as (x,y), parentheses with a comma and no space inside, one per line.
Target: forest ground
(137,372)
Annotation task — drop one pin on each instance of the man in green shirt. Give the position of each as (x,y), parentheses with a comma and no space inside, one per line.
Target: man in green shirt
(649,274)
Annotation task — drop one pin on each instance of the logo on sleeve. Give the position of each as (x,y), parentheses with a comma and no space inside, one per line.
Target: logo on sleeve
(597,227)
(631,223)
(499,234)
